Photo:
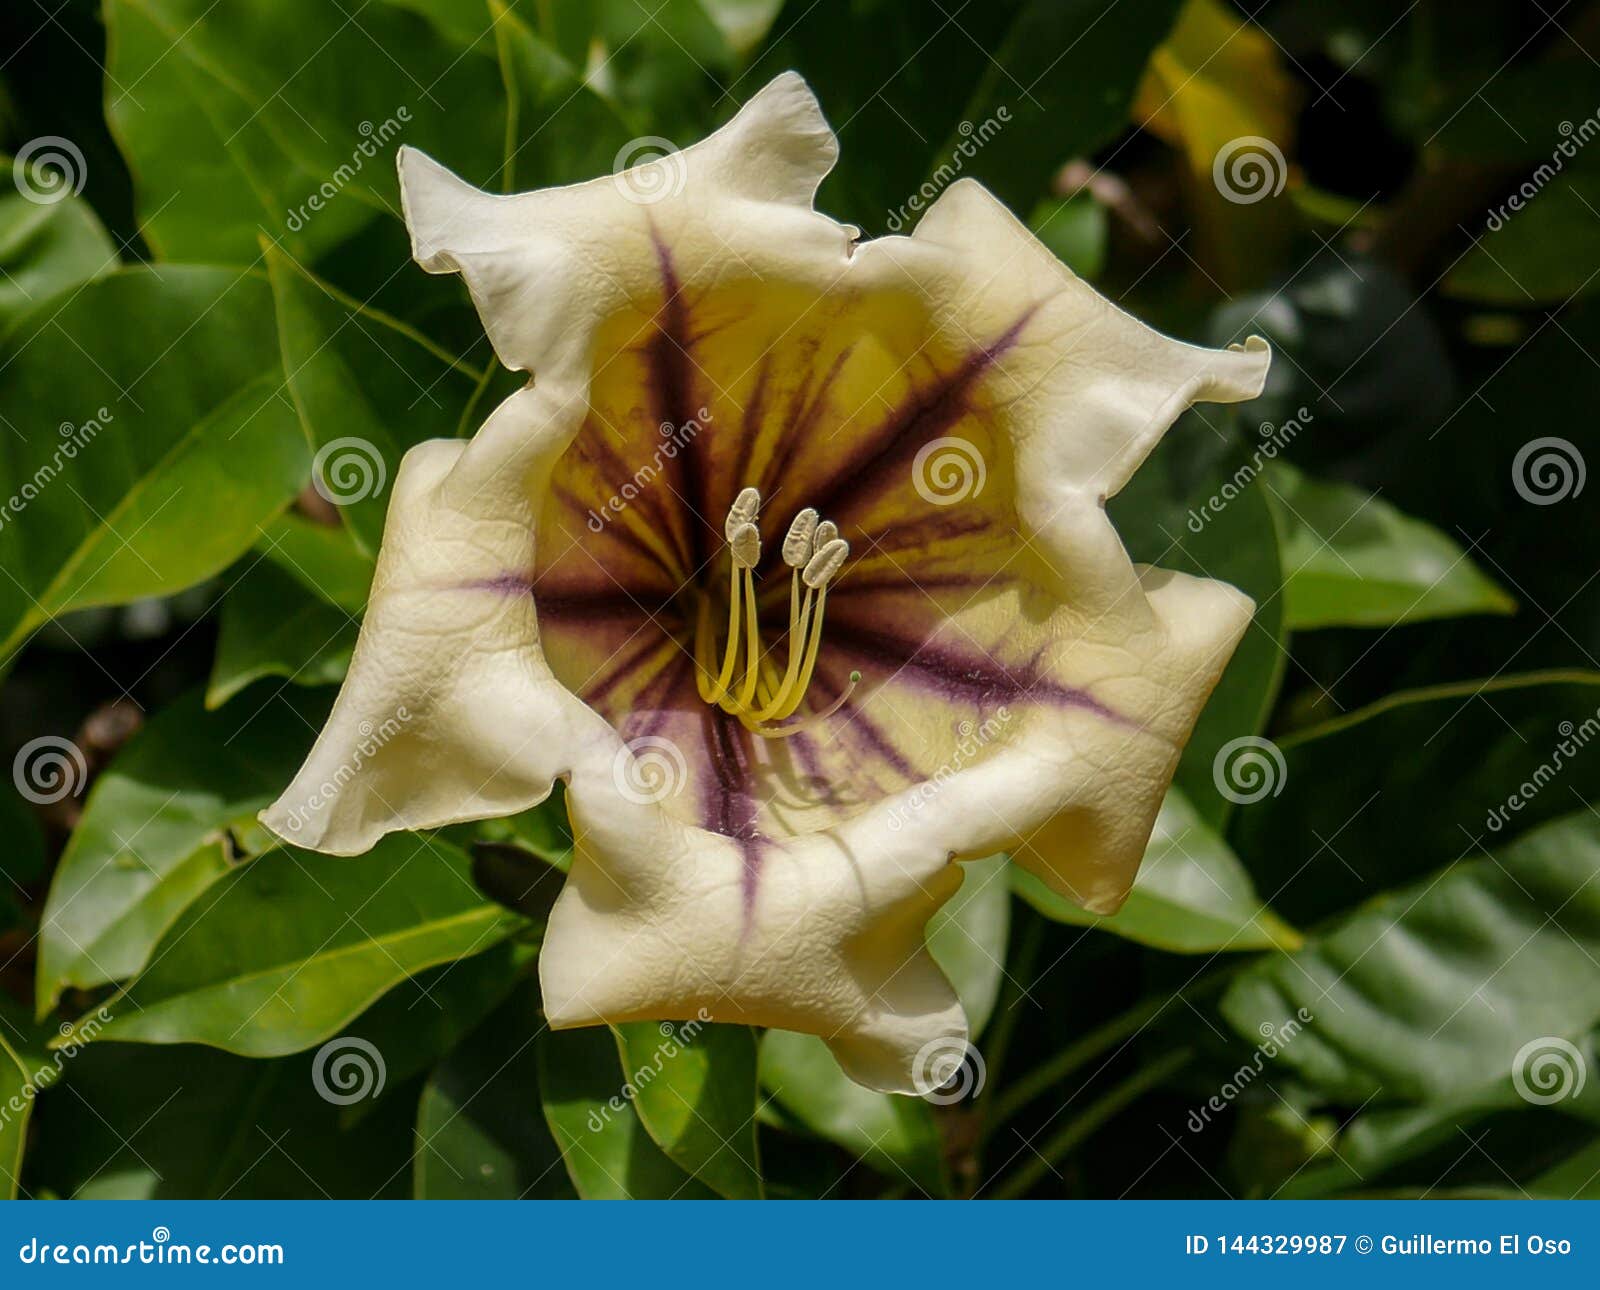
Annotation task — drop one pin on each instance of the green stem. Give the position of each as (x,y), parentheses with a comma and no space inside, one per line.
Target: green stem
(1083,1126)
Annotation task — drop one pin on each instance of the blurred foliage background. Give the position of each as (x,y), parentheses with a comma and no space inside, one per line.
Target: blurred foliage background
(203,279)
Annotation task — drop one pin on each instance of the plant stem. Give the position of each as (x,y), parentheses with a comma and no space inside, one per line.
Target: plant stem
(1081,1127)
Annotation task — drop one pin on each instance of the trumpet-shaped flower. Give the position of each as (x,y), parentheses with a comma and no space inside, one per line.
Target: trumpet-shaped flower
(791,560)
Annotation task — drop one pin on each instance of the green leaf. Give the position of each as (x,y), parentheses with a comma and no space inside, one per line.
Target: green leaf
(1525,257)
(1065,76)
(480,1132)
(251,118)
(288,949)
(323,558)
(1424,991)
(1197,506)
(1344,819)
(16,1090)
(608,1153)
(1075,228)
(894,1135)
(271,625)
(696,1097)
(46,248)
(1192,896)
(366,386)
(193,1123)
(427,1015)
(967,938)
(557,129)
(1350,559)
(1575,1178)
(151,836)
(148,455)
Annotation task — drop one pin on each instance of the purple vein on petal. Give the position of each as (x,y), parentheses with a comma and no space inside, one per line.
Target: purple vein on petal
(956,677)
(924,414)
(671,387)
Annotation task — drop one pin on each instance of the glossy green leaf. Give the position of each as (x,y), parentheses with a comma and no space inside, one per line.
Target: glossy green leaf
(46,247)
(894,1135)
(1192,896)
(608,1153)
(286,950)
(480,1132)
(1350,559)
(1344,818)
(1427,991)
(151,838)
(283,116)
(271,625)
(696,1096)
(147,456)
(366,387)
(967,938)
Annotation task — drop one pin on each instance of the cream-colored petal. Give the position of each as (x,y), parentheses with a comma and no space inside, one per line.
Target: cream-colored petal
(816,925)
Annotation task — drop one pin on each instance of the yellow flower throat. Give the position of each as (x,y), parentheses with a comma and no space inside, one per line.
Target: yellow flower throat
(814,552)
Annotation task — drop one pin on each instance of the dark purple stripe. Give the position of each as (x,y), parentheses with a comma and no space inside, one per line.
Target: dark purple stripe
(956,677)
(923,415)
(672,388)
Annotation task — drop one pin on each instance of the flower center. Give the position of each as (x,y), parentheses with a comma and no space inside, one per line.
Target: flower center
(762,696)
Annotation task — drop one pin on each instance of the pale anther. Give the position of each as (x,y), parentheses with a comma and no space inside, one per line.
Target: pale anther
(744,542)
(797,544)
(744,510)
(825,563)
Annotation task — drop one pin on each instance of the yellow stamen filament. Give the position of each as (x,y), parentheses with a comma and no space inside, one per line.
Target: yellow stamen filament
(815,555)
